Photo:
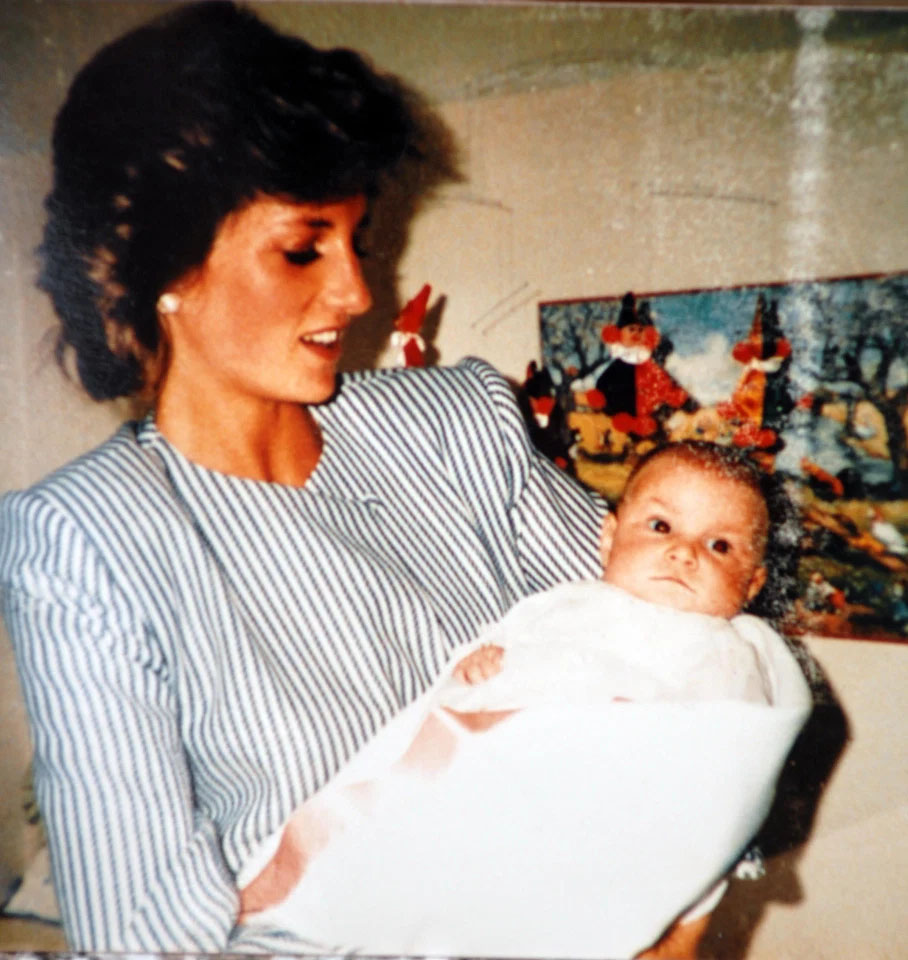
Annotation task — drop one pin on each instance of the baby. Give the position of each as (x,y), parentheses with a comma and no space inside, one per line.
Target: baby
(683,555)
(689,535)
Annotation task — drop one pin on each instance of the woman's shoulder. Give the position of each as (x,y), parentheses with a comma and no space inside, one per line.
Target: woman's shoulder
(117,463)
(115,478)
(428,398)
(454,413)
(470,374)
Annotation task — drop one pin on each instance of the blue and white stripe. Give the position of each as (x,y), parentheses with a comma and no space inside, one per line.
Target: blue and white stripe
(200,652)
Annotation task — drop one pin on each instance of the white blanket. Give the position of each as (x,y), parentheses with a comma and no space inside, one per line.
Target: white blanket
(576,825)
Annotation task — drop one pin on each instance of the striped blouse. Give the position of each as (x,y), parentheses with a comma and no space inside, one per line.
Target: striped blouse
(200,652)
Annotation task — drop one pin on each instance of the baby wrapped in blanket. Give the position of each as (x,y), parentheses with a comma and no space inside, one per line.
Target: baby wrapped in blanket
(591,767)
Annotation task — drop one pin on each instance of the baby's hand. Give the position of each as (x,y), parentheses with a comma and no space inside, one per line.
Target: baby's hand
(480,664)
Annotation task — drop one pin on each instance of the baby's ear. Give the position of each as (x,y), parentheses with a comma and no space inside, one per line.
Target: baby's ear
(757,581)
(607,537)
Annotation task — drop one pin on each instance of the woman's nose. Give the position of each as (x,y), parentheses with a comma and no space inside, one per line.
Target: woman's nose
(346,288)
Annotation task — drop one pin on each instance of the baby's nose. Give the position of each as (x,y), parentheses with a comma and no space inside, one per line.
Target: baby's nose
(683,552)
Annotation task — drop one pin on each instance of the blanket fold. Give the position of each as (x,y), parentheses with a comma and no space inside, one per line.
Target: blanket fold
(578,828)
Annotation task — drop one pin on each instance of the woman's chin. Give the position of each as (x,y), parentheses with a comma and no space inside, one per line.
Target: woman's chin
(317,389)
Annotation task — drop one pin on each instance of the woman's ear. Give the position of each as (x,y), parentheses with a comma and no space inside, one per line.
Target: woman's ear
(607,537)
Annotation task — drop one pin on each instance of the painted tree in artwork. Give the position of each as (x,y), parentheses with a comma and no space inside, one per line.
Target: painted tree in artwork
(864,356)
(575,348)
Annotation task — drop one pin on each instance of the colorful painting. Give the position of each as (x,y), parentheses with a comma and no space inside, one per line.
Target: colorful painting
(809,378)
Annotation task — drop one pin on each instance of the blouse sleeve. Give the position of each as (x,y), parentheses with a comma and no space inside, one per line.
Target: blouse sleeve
(135,866)
(556,522)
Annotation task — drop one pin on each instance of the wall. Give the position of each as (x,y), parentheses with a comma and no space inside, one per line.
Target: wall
(771,166)
(768,166)
(843,893)
(603,150)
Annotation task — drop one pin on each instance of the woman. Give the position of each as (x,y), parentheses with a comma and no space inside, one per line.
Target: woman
(216,608)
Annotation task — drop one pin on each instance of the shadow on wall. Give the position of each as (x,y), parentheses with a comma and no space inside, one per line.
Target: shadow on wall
(787,828)
(434,163)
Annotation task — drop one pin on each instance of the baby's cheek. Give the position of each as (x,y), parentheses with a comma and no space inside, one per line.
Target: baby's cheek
(739,585)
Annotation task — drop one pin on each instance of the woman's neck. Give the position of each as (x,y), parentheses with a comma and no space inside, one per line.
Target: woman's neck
(274,441)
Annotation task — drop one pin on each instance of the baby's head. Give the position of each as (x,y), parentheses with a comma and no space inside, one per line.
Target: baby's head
(690,531)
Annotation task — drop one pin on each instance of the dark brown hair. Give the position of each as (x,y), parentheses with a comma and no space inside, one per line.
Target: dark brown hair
(166,131)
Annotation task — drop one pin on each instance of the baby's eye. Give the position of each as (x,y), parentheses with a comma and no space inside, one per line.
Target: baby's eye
(299,258)
(718,545)
(658,525)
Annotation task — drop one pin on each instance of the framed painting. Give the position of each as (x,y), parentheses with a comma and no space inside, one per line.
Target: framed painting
(809,378)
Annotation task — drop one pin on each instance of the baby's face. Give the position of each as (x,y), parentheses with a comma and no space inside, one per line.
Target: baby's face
(688,537)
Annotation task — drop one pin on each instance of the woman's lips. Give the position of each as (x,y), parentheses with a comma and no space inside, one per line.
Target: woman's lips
(326,343)
(322,338)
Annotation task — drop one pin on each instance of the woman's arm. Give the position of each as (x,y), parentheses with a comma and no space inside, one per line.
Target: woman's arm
(557,522)
(135,866)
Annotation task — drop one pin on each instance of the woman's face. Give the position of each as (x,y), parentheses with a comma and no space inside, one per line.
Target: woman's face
(264,317)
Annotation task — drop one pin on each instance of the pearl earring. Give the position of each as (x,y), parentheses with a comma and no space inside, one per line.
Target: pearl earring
(168,303)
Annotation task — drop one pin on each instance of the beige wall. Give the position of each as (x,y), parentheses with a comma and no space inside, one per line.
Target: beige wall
(759,162)
(843,894)
(667,179)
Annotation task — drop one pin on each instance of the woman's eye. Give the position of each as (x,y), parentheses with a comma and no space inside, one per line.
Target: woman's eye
(658,525)
(718,545)
(299,258)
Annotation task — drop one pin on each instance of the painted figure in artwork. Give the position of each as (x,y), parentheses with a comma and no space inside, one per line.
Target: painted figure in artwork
(761,400)
(545,416)
(634,388)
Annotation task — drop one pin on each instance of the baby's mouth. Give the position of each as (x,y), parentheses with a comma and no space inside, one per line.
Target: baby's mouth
(675,580)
